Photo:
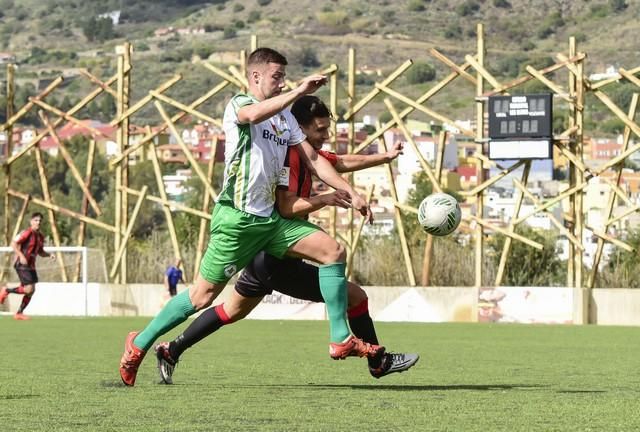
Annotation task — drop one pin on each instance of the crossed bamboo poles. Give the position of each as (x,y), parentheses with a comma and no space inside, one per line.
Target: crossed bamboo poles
(565,143)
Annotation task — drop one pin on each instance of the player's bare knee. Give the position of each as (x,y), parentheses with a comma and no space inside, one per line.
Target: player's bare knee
(29,289)
(355,295)
(335,253)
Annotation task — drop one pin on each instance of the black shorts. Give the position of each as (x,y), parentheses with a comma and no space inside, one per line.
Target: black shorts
(293,277)
(26,274)
(173,290)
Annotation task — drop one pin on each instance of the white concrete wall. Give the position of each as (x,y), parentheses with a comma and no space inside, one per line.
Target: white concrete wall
(407,304)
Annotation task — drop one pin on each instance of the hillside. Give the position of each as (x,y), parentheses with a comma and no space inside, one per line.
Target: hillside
(52,35)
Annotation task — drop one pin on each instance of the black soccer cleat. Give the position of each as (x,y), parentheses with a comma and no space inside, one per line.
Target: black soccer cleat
(166,364)
(394,362)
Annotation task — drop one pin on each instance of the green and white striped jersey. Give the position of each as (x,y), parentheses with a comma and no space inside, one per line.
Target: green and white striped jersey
(254,157)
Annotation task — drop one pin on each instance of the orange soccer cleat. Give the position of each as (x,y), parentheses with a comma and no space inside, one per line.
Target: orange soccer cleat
(3,294)
(21,317)
(354,347)
(130,361)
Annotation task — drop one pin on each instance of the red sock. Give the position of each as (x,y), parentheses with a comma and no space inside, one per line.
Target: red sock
(25,301)
(17,290)
(222,314)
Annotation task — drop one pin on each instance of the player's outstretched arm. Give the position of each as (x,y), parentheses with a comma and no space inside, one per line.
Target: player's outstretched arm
(355,162)
(261,111)
(290,205)
(323,169)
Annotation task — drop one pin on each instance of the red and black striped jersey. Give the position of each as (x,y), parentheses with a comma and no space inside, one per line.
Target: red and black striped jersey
(299,176)
(31,243)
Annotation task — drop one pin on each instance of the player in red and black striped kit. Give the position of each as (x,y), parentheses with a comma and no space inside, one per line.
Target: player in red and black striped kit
(27,245)
(294,277)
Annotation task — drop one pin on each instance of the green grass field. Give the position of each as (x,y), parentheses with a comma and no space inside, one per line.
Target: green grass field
(61,374)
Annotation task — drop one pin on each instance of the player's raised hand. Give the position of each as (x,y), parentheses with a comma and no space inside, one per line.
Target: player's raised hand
(311,83)
(359,203)
(337,198)
(395,151)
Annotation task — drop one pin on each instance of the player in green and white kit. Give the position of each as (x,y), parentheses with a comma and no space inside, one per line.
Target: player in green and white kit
(259,127)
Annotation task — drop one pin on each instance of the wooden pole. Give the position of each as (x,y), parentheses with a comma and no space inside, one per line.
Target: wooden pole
(77,107)
(120,109)
(612,197)
(506,248)
(479,232)
(187,152)
(205,208)
(356,239)
(124,144)
(580,178)
(405,112)
(20,218)
(32,101)
(406,253)
(72,166)
(52,216)
(333,85)
(82,229)
(254,42)
(165,208)
(6,202)
(351,133)
(117,159)
(127,234)
(428,244)
(571,262)
(64,211)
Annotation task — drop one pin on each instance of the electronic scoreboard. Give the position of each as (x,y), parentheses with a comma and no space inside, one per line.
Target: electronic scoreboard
(520,127)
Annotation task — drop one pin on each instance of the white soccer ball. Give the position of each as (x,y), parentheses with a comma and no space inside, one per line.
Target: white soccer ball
(439,214)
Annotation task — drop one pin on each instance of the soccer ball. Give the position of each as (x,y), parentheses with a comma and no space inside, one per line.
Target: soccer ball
(439,214)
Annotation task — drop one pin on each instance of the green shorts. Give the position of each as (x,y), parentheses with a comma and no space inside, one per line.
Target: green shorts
(236,237)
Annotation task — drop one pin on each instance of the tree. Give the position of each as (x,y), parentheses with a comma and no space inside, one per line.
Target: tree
(548,269)
(420,73)
(617,5)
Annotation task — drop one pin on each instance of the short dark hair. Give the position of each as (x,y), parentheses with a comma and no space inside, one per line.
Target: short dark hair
(266,55)
(309,107)
(37,214)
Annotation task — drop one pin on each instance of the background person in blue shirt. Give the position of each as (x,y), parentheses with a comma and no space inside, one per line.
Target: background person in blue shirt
(172,276)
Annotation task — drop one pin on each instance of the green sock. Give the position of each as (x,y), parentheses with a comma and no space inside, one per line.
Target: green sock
(333,286)
(176,311)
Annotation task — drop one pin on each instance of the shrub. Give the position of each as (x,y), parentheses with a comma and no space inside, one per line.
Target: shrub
(420,73)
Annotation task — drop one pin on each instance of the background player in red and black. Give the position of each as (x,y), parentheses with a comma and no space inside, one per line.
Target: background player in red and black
(27,245)
(294,277)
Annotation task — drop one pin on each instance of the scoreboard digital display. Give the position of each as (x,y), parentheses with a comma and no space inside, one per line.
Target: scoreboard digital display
(517,123)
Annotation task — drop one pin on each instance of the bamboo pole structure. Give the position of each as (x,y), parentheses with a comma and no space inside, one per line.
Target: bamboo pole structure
(72,166)
(479,231)
(405,112)
(428,244)
(52,216)
(205,208)
(578,107)
(157,93)
(64,211)
(77,107)
(32,102)
(82,229)
(356,107)
(173,204)
(333,102)
(217,89)
(165,208)
(559,225)
(406,252)
(6,202)
(506,247)
(194,164)
(351,133)
(21,215)
(354,247)
(612,197)
(123,245)
(407,135)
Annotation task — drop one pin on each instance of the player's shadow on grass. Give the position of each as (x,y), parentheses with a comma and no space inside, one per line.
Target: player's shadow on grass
(393,387)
